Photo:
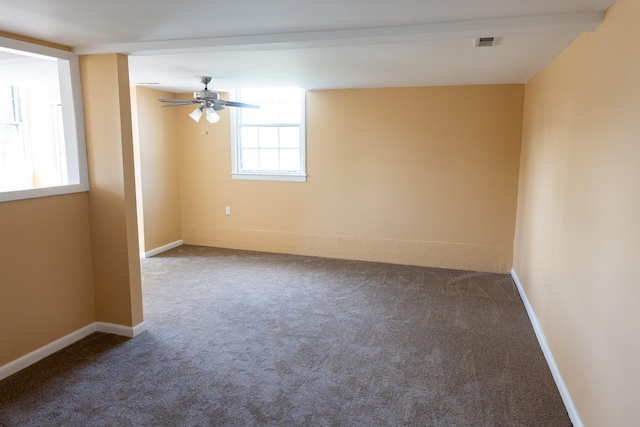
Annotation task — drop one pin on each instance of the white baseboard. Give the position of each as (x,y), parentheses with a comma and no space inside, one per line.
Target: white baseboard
(161,249)
(39,354)
(125,331)
(562,388)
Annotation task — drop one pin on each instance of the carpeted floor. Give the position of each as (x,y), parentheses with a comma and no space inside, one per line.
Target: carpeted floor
(250,339)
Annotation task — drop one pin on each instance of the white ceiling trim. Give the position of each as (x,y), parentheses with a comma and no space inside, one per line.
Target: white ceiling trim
(567,23)
(35,50)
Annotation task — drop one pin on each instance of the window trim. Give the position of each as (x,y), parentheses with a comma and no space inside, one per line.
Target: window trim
(269,176)
(72,117)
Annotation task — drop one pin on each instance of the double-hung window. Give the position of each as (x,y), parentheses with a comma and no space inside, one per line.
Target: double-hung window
(269,143)
(42,150)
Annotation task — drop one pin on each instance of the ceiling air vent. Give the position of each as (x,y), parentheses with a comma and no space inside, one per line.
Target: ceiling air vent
(485,42)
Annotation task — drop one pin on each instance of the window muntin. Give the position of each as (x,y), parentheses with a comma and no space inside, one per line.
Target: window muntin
(42,150)
(269,143)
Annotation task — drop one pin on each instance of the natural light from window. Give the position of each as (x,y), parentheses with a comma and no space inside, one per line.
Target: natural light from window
(41,144)
(269,142)
(31,132)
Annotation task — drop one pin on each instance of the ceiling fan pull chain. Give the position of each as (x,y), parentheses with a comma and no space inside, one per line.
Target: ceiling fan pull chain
(205,129)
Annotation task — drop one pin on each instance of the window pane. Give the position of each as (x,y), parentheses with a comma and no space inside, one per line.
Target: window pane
(269,159)
(269,94)
(250,96)
(290,160)
(41,158)
(268,137)
(277,124)
(37,151)
(250,159)
(290,112)
(9,106)
(249,116)
(46,137)
(290,137)
(14,170)
(249,137)
(269,112)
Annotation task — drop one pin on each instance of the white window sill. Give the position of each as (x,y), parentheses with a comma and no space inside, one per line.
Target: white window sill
(33,193)
(268,177)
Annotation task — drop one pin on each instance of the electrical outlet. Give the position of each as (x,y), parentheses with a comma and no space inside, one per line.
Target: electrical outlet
(227,210)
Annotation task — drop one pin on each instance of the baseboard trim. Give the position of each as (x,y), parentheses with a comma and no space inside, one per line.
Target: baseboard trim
(125,331)
(161,249)
(562,387)
(57,345)
(39,354)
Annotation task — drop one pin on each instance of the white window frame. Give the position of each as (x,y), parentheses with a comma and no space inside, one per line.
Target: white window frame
(267,176)
(73,120)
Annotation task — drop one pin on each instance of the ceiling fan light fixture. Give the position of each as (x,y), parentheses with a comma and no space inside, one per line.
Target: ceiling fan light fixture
(212,116)
(196,114)
(208,103)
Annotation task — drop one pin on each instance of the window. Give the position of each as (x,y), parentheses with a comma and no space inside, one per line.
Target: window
(41,134)
(269,143)
(11,139)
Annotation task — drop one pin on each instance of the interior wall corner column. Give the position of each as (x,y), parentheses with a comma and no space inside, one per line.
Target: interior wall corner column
(112,198)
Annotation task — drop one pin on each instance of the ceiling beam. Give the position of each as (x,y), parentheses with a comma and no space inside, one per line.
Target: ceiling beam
(499,27)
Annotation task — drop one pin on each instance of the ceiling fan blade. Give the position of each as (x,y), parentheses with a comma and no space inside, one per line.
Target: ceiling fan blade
(179,101)
(235,104)
(174,105)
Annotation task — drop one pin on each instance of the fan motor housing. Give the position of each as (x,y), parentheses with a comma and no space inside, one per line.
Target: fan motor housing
(205,94)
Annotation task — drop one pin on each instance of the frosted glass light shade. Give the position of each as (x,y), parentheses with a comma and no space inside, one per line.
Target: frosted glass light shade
(212,116)
(196,114)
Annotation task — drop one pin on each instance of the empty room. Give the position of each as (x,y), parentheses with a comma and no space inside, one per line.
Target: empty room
(319,213)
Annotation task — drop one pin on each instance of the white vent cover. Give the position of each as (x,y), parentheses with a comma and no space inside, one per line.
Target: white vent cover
(485,42)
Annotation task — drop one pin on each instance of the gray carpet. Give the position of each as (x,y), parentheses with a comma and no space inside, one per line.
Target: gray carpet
(251,339)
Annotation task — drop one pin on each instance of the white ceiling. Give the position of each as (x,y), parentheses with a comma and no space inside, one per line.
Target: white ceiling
(315,44)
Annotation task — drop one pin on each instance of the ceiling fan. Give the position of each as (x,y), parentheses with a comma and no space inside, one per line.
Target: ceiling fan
(209,102)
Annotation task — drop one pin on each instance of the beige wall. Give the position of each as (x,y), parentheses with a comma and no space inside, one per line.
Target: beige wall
(46,284)
(157,172)
(70,260)
(112,202)
(578,228)
(424,176)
